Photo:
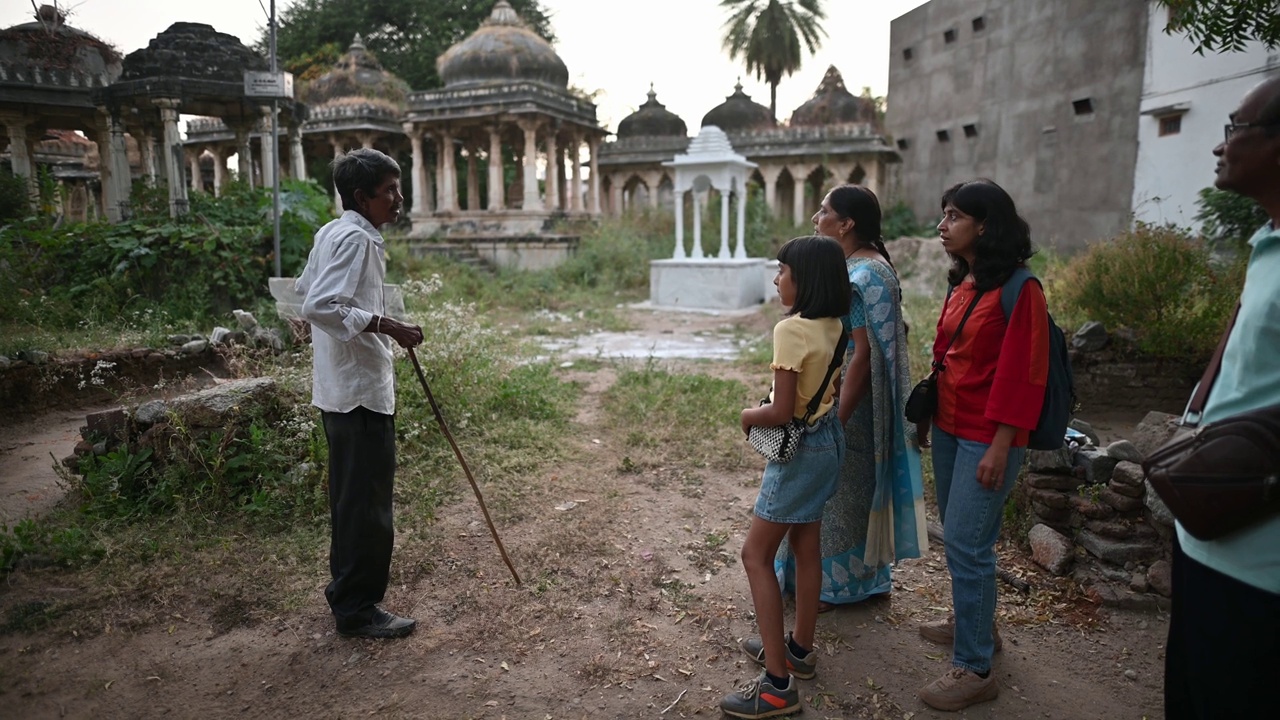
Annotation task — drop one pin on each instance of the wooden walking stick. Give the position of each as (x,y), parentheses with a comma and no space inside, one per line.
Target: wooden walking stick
(465,468)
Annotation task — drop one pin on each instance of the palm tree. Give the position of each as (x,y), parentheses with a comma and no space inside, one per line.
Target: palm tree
(767,34)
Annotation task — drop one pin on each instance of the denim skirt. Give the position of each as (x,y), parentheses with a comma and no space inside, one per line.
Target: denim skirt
(794,492)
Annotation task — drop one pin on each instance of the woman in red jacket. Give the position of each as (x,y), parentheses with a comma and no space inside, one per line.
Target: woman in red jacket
(992,372)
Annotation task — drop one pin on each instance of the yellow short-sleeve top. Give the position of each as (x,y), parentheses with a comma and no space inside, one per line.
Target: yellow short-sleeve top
(805,346)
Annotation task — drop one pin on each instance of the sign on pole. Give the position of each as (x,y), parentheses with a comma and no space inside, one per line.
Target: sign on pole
(268,84)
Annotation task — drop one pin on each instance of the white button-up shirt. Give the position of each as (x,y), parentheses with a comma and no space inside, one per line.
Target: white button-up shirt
(342,285)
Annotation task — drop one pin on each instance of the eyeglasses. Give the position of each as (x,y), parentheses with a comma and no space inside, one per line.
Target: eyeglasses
(1232,127)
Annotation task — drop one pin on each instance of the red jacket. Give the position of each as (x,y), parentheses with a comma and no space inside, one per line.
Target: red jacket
(996,371)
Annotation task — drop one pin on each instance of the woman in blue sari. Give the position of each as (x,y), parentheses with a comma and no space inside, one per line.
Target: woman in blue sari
(877,514)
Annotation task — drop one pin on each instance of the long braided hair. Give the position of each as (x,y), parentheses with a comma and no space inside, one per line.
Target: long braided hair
(859,204)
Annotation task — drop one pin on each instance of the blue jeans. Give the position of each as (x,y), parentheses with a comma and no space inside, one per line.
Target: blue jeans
(971,517)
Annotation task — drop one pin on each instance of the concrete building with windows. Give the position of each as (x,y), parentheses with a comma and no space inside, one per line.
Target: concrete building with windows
(1041,96)
(1186,98)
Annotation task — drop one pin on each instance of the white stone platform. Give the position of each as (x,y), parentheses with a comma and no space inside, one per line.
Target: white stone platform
(711,283)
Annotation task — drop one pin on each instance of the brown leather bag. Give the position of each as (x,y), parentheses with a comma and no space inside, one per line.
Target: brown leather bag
(1224,476)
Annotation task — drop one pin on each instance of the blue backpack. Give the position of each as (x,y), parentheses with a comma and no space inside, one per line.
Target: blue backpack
(1060,390)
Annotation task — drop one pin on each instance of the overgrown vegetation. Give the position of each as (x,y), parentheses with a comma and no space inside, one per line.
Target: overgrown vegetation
(1229,219)
(65,277)
(1159,282)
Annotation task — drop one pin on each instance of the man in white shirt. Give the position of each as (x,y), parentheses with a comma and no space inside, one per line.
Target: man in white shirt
(354,387)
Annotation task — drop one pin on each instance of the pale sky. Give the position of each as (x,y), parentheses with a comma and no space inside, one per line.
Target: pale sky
(617,46)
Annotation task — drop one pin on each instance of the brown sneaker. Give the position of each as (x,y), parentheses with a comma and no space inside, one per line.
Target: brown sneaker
(959,689)
(943,632)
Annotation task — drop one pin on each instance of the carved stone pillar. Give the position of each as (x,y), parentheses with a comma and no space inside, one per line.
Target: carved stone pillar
(799,177)
(473,181)
(147,146)
(575,181)
(270,153)
(106,179)
(770,175)
(20,156)
(297,160)
(740,196)
(219,170)
(448,174)
(497,189)
(616,186)
(172,156)
(679,252)
(553,172)
(593,204)
(532,201)
(724,224)
(697,225)
(194,161)
(244,154)
(419,170)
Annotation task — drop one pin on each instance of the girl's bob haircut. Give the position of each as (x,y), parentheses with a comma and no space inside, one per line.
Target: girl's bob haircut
(818,271)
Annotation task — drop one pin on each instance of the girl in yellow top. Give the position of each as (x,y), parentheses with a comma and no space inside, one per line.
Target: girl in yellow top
(811,282)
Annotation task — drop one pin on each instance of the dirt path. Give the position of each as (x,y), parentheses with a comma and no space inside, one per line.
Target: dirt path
(28,452)
(632,607)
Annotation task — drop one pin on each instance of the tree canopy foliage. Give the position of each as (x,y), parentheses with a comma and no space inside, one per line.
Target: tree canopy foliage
(1225,25)
(767,34)
(406,35)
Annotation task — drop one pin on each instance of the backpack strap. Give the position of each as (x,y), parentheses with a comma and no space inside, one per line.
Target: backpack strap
(1012,288)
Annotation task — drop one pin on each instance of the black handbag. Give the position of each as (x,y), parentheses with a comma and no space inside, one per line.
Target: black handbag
(1224,476)
(923,400)
(778,443)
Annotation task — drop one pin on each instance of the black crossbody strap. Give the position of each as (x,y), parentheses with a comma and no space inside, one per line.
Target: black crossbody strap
(972,304)
(816,400)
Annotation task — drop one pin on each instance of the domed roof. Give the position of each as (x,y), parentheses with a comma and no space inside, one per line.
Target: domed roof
(502,50)
(653,119)
(357,74)
(737,112)
(832,104)
(193,50)
(50,44)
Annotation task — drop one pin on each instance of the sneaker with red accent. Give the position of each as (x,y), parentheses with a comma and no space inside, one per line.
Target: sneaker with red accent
(760,699)
(959,689)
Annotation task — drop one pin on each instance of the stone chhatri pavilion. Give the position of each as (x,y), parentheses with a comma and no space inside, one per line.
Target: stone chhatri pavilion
(190,68)
(834,137)
(356,104)
(505,95)
(48,72)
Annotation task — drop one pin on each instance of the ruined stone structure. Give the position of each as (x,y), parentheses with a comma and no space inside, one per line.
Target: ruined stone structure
(191,68)
(834,137)
(505,95)
(1041,96)
(48,71)
(355,104)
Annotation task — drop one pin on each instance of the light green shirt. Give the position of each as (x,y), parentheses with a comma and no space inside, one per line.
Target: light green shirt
(1249,380)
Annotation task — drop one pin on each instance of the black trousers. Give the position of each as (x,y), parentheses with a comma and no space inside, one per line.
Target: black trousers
(1223,656)
(362,466)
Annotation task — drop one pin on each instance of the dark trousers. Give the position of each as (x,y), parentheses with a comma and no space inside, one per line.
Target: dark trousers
(1223,656)
(362,466)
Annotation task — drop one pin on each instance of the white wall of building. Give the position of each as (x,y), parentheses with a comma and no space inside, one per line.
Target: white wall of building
(1172,169)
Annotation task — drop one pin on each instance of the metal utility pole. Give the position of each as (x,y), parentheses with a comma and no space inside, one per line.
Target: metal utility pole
(275,151)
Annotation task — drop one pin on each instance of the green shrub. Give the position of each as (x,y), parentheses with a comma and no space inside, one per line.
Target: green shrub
(1228,218)
(1160,283)
(15,202)
(900,221)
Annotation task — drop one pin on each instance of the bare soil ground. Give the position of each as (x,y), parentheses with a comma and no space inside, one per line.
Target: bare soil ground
(632,606)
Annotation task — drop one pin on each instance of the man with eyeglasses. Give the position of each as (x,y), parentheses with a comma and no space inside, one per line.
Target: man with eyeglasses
(1223,655)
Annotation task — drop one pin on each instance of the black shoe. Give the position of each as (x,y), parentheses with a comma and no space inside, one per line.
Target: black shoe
(383,626)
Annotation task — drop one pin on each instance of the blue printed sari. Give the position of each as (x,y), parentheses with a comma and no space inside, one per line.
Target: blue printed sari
(877,515)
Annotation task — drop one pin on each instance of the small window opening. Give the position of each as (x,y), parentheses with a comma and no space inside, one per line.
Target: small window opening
(949,36)
(944,136)
(903,143)
(1170,125)
(907,54)
(1083,106)
(979,24)
(971,130)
